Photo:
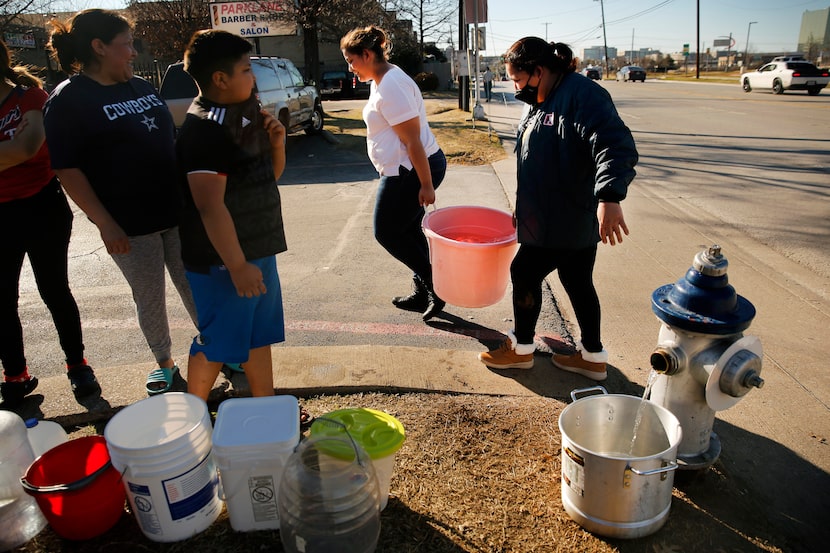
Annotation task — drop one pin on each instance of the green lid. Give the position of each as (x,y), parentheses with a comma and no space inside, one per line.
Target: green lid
(378,433)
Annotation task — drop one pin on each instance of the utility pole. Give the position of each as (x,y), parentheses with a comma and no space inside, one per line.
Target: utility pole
(697,54)
(463,81)
(546,30)
(478,109)
(728,50)
(631,57)
(604,36)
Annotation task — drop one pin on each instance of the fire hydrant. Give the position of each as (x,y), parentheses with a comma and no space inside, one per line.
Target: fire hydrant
(703,362)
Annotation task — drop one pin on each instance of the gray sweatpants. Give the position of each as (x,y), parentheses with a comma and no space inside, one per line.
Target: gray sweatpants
(143,268)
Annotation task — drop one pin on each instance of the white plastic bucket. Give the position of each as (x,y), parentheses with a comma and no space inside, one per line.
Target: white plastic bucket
(162,445)
(252,441)
(471,249)
(380,434)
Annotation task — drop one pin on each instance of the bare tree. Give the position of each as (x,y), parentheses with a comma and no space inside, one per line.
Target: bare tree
(165,26)
(327,21)
(351,14)
(431,18)
(12,13)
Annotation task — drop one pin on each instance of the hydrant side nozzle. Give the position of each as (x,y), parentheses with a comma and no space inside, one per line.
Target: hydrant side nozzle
(752,379)
(741,372)
(664,361)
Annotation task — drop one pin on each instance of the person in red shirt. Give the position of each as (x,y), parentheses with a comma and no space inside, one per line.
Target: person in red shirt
(35,212)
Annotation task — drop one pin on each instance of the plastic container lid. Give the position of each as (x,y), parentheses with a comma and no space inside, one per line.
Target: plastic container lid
(378,433)
(256,425)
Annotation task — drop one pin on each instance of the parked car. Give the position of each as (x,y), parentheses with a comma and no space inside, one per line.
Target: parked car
(280,88)
(786,73)
(342,84)
(592,73)
(178,90)
(631,73)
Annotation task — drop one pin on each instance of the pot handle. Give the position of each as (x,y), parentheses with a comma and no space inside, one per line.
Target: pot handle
(574,393)
(670,466)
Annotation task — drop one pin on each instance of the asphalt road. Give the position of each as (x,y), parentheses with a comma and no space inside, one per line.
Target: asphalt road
(756,162)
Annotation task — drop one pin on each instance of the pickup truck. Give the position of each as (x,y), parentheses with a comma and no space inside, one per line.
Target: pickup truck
(787,74)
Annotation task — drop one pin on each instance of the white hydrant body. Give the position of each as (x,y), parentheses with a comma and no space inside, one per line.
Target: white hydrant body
(704,362)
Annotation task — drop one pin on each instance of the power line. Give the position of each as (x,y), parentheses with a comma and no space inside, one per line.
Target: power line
(638,14)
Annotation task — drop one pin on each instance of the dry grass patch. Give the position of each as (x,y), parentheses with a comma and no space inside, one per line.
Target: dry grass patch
(464,141)
(478,474)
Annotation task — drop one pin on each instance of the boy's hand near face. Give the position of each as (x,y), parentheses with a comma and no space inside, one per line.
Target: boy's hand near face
(277,136)
(275,129)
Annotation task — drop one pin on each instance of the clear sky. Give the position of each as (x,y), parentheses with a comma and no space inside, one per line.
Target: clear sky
(663,25)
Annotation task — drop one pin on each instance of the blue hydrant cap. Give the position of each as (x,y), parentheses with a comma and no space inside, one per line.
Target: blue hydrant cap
(703,300)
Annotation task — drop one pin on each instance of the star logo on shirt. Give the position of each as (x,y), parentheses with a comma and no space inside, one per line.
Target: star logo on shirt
(150,122)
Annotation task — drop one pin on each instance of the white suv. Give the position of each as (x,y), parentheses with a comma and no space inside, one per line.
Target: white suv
(279,85)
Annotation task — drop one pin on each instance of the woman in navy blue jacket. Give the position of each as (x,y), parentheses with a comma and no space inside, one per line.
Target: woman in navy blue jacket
(575,160)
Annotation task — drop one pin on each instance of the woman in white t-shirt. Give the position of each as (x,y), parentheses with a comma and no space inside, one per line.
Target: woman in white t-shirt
(404,151)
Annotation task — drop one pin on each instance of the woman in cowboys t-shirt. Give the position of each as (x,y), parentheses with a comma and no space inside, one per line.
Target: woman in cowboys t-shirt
(111,140)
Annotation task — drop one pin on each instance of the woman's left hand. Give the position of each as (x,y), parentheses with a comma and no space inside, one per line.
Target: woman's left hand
(611,222)
(426,196)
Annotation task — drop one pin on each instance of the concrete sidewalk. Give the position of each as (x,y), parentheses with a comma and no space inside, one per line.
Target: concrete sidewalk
(775,440)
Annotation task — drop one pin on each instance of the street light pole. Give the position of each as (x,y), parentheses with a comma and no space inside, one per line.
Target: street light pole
(746,50)
(604,37)
(728,51)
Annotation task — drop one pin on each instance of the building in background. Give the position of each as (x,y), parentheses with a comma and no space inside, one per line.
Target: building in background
(597,53)
(641,56)
(814,36)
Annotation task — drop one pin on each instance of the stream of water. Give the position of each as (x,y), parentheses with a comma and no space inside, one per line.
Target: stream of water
(638,418)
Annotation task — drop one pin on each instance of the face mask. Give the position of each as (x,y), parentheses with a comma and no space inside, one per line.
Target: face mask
(528,94)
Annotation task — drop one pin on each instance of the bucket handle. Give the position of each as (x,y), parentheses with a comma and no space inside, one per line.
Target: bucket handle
(426,210)
(669,466)
(70,487)
(574,393)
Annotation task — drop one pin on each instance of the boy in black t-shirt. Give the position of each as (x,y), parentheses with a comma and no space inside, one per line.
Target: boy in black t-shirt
(231,154)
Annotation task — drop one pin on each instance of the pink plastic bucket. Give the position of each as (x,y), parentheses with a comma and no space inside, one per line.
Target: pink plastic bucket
(470,249)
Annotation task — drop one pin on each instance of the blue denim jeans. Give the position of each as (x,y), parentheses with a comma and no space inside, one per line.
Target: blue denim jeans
(398,215)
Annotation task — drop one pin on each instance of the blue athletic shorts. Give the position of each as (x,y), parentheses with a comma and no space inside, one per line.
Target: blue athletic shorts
(229,325)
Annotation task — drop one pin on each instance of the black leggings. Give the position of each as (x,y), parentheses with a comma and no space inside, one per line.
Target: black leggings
(576,267)
(38,226)
(398,216)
